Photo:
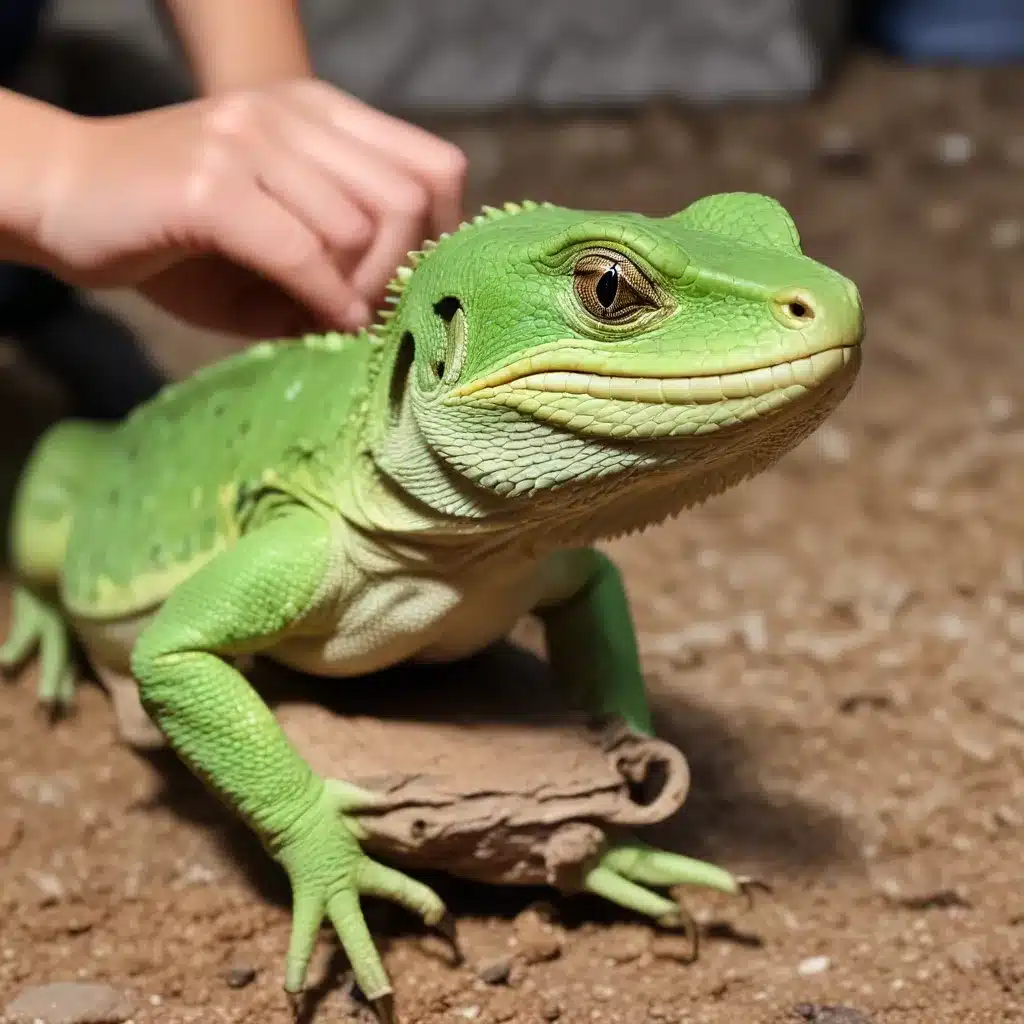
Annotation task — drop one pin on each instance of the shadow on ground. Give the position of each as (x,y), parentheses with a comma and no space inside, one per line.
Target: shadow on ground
(727,818)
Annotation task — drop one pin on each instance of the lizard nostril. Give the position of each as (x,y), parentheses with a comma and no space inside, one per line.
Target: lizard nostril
(794,308)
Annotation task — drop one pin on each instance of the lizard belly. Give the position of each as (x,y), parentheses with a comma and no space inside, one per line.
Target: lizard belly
(416,619)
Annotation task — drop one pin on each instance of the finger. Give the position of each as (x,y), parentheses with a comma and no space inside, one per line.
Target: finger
(396,236)
(385,883)
(255,231)
(347,918)
(212,293)
(604,882)
(440,165)
(659,867)
(398,203)
(312,196)
(306,917)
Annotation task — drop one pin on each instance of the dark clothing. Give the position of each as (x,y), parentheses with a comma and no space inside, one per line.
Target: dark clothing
(19,26)
(91,353)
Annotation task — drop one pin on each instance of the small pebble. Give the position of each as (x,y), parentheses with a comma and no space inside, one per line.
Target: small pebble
(1006,234)
(239,977)
(830,1014)
(954,149)
(68,1002)
(496,971)
(503,1006)
(841,152)
(630,948)
(813,965)
(51,888)
(999,408)
(538,939)
(834,445)
(540,948)
(966,956)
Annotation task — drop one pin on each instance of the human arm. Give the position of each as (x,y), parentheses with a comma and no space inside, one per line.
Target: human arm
(241,44)
(236,213)
(25,174)
(408,181)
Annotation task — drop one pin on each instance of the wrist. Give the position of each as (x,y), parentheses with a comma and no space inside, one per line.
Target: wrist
(231,48)
(30,174)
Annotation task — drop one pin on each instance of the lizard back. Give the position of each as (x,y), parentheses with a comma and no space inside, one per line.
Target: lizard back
(172,487)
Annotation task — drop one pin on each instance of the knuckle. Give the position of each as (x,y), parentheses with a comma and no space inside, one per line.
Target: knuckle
(411,201)
(297,252)
(452,165)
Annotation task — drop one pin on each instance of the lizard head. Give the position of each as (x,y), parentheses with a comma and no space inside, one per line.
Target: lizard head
(544,347)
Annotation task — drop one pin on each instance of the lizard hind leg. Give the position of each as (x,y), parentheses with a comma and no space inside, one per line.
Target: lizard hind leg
(37,625)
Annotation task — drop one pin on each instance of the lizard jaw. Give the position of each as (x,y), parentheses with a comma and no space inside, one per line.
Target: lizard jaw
(805,373)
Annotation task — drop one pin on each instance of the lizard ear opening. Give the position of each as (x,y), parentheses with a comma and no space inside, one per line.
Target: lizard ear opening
(448,366)
(447,307)
(400,371)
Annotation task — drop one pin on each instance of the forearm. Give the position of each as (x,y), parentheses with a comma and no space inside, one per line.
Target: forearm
(241,44)
(29,169)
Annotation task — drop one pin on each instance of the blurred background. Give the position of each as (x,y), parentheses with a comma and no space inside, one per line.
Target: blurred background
(891,128)
(838,646)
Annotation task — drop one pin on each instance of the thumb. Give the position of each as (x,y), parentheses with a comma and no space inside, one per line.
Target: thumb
(213,294)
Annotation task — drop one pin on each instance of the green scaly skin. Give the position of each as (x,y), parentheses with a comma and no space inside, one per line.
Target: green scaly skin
(546,378)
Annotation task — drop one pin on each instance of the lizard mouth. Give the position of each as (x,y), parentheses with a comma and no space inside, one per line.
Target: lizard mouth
(805,373)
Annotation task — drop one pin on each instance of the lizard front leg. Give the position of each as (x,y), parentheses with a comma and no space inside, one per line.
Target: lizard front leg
(591,642)
(592,649)
(241,602)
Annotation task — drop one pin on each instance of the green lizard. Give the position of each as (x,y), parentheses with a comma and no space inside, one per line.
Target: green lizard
(544,378)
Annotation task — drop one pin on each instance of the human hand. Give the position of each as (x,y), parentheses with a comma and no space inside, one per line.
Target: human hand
(261,213)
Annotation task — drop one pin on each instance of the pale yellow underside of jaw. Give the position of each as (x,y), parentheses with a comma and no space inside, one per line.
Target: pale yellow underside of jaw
(806,372)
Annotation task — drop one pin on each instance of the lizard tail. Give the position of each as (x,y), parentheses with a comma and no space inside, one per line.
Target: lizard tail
(63,461)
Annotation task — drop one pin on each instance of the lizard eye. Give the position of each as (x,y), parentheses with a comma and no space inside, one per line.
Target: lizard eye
(610,287)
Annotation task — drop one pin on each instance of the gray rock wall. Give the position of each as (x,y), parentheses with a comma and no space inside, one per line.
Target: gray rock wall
(435,56)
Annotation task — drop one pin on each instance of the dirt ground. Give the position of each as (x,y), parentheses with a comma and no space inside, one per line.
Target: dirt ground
(838,646)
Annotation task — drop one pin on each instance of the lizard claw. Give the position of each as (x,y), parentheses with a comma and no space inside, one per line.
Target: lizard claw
(629,874)
(448,928)
(685,922)
(384,1008)
(748,886)
(329,874)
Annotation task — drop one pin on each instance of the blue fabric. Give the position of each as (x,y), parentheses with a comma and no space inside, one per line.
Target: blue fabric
(966,31)
(19,26)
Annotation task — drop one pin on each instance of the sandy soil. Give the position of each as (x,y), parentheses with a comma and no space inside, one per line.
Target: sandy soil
(838,647)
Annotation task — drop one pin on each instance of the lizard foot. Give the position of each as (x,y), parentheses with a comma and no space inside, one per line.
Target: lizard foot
(35,624)
(329,873)
(628,873)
